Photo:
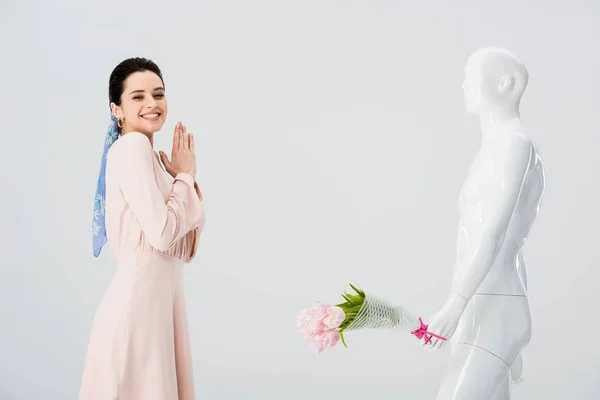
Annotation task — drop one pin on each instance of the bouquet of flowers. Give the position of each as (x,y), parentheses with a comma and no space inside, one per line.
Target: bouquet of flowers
(324,325)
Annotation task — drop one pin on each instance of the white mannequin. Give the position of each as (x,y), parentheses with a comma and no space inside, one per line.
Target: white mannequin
(487,317)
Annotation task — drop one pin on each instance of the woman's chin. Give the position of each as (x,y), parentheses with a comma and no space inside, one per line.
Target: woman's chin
(147,127)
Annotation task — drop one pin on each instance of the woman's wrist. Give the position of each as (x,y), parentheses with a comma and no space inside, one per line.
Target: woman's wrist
(185,177)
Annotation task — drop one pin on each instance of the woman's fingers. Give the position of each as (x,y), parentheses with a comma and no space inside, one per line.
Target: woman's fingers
(181,137)
(166,163)
(176,137)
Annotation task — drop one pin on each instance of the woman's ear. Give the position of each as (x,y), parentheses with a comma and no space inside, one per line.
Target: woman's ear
(116,111)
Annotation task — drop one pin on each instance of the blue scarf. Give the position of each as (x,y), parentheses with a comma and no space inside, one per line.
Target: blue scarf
(98,225)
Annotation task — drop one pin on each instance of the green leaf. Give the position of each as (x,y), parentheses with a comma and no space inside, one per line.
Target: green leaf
(355,299)
(347,322)
(354,309)
(343,341)
(358,291)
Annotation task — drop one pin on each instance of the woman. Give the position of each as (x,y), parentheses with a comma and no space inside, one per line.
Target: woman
(139,347)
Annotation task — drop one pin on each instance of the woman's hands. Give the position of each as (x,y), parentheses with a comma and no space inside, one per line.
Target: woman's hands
(183,155)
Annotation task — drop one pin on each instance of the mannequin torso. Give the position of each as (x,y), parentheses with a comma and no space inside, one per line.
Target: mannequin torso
(508,273)
(487,316)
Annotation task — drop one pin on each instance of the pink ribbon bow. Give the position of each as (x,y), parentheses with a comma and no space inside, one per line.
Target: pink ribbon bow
(422,333)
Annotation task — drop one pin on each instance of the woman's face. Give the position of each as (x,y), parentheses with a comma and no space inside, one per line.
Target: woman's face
(143,104)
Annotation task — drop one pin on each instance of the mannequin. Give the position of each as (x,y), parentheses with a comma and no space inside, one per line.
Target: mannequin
(487,316)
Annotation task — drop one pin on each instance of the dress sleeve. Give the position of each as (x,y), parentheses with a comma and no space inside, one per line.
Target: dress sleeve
(193,237)
(162,223)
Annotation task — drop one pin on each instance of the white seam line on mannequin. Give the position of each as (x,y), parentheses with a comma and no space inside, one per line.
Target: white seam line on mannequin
(479,347)
(462,297)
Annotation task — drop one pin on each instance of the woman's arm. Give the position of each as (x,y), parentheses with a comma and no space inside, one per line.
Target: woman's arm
(162,223)
(193,237)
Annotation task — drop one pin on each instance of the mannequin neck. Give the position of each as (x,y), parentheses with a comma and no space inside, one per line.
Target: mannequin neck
(500,121)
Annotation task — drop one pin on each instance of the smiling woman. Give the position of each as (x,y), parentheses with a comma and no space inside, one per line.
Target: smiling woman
(151,215)
(142,110)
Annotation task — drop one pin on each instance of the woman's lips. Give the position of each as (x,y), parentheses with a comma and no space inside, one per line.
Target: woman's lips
(151,116)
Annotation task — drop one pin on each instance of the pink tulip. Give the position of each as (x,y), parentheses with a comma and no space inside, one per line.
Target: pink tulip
(310,322)
(319,324)
(303,317)
(324,340)
(335,317)
(303,323)
(319,310)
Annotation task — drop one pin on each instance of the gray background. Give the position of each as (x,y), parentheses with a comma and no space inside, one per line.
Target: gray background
(331,141)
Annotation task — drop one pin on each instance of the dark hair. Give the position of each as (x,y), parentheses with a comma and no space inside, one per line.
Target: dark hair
(116,83)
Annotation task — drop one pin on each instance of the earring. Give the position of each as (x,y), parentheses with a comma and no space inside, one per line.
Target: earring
(119,123)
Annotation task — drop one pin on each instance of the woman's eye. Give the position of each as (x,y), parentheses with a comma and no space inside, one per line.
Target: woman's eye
(137,97)
(160,95)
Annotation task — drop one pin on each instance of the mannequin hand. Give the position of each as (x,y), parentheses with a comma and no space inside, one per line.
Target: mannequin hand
(516,370)
(445,321)
(183,155)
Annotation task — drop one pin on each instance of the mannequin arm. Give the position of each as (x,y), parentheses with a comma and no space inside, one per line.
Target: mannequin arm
(522,271)
(499,201)
(516,370)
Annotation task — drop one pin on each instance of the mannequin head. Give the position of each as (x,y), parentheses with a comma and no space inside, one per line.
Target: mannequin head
(495,81)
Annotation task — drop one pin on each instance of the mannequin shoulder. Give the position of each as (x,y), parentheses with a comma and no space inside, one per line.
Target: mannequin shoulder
(516,149)
(513,158)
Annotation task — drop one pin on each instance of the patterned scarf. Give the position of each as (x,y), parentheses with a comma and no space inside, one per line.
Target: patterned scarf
(98,225)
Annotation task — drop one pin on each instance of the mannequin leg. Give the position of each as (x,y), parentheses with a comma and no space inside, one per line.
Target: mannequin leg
(474,374)
(504,392)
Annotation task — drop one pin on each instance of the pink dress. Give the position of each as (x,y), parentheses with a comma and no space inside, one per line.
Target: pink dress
(139,347)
